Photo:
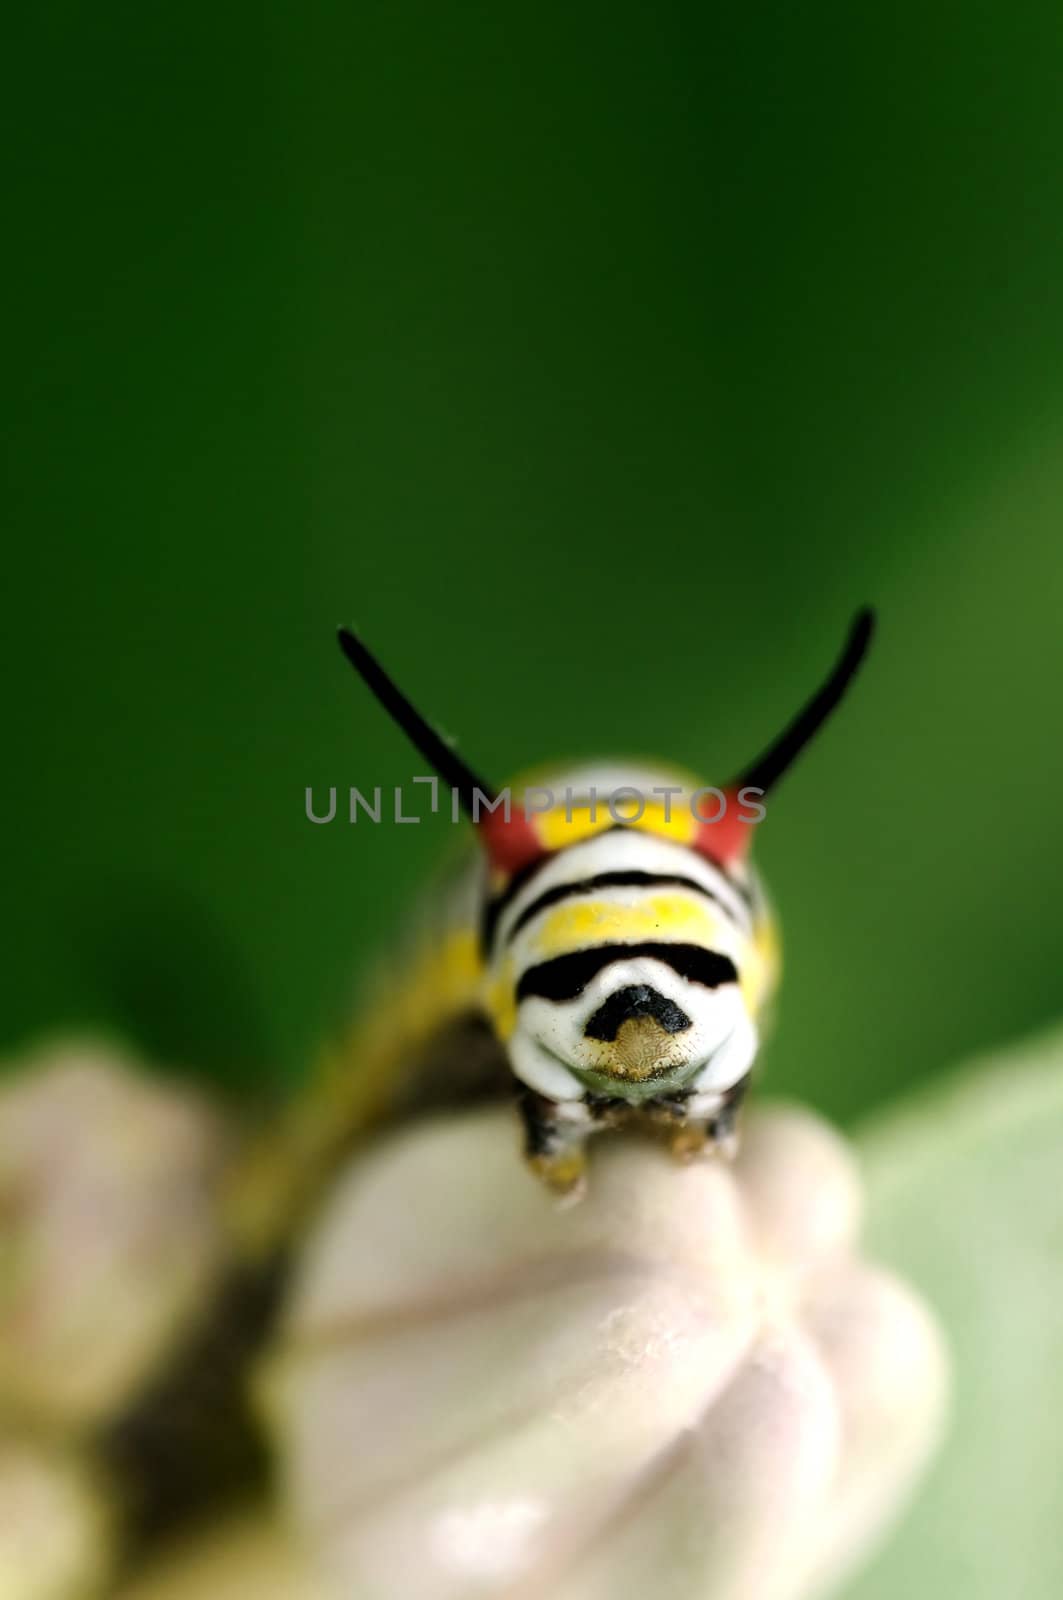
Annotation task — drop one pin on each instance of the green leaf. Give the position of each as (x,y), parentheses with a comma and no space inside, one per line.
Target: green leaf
(966,1201)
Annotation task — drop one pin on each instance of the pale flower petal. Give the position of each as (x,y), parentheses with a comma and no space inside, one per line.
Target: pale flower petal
(111,1237)
(688,1385)
(54,1533)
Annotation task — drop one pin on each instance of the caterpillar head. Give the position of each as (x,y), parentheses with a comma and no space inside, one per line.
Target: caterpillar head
(623,953)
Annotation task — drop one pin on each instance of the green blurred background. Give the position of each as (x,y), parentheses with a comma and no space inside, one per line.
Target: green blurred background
(598,361)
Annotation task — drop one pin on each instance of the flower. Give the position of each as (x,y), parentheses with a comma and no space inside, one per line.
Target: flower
(110,1237)
(54,1534)
(690,1385)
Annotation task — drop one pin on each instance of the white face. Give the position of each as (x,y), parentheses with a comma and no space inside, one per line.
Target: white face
(638,1029)
(625,954)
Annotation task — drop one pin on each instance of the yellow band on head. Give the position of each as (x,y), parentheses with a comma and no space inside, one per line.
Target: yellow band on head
(556,828)
(679,917)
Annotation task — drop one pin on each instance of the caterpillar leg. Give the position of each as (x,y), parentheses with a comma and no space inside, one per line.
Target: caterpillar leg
(555,1136)
(704,1122)
(723,1126)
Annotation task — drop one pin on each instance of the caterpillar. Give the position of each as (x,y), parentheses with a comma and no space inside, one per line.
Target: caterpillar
(599,963)
(614,962)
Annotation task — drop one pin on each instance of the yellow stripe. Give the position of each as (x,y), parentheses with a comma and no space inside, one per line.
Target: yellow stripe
(760,971)
(501,1001)
(679,917)
(363,1070)
(357,1078)
(556,829)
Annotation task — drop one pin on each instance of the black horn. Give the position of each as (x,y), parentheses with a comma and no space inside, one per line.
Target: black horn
(435,749)
(769,767)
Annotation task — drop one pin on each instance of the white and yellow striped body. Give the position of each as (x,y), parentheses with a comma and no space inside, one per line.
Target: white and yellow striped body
(627,965)
(689,944)
(622,960)
(684,1014)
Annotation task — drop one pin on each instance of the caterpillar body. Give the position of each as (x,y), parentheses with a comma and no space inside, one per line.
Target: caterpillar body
(609,969)
(597,969)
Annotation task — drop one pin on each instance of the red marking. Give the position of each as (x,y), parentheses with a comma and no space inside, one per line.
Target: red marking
(509,845)
(729,839)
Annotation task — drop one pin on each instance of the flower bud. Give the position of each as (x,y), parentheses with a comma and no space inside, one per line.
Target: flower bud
(110,1235)
(689,1385)
(54,1533)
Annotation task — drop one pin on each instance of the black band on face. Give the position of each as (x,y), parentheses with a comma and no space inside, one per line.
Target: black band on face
(565,977)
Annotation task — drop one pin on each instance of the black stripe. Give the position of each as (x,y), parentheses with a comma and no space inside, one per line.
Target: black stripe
(637,1000)
(494,908)
(565,977)
(612,880)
